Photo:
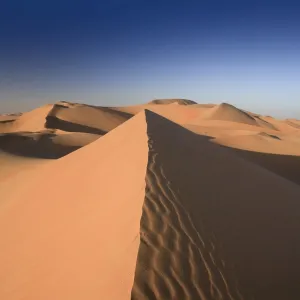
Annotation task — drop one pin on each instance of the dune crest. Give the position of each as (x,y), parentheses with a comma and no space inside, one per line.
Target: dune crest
(71,228)
(173,101)
(228,112)
(150,207)
(199,241)
(84,118)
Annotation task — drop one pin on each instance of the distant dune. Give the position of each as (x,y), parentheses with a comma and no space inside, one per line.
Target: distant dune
(200,223)
(173,101)
(71,227)
(83,118)
(168,200)
(227,112)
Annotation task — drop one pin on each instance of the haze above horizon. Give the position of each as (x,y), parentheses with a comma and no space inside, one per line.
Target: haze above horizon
(129,52)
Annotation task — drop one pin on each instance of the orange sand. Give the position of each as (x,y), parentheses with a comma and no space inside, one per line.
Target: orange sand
(182,201)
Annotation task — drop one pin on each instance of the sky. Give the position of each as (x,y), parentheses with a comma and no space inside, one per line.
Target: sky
(123,52)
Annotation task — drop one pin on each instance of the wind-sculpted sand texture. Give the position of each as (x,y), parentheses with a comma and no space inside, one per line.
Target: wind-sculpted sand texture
(175,261)
(149,202)
(205,231)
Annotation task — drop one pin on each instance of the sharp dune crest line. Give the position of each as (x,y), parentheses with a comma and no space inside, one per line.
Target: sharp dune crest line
(228,112)
(97,204)
(199,241)
(71,228)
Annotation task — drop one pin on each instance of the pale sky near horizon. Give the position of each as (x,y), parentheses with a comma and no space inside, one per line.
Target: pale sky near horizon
(131,51)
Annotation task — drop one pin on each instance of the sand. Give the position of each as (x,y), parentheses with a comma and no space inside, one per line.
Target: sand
(165,200)
(214,226)
(173,101)
(74,223)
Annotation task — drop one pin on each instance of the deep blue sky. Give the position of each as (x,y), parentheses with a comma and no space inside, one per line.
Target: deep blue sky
(120,52)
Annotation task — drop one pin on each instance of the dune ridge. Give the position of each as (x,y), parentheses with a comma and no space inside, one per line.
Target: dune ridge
(66,116)
(164,212)
(196,240)
(228,112)
(67,232)
(85,118)
(172,101)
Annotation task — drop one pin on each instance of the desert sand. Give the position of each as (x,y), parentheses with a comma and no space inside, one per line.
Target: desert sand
(165,200)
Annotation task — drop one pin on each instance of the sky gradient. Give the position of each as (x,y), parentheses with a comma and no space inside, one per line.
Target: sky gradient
(126,52)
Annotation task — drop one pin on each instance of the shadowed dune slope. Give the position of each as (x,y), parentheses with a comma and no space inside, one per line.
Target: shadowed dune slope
(31,121)
(44,145)
(21,151)
(264,123)
(261,142)
(85,118)
(8,118)
(227,112)
(213,225)
(70,230)
(293,123)
(181,114)
(287,166)
(149,211)
(72,117)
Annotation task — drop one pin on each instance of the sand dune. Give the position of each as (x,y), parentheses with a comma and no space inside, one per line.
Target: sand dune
(261,142)
(293,123)
(203,105)
(284,165)
(66,116)
(182,201)
(227,112)
(172,101)
(32,121)
(12,164)
(198,242)
(45,144)
(53,131)
(181,114)
(84,118)
(22,150)
(71,228)
(8,117)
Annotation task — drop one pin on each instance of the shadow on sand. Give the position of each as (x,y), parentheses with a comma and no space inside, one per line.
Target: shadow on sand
(34,145)
(55,123)
(287,166)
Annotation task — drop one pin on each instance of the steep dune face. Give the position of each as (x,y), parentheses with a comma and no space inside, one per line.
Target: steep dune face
(6,121)
(51,132)
(293,123)
(72,117)
(181,114)
(84,118)
(8,117)
(214,226)
(227,112)
(264,123)
(22,151)
(44,145)
(70,230)
(261,142)
(150,210)
(31,121)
